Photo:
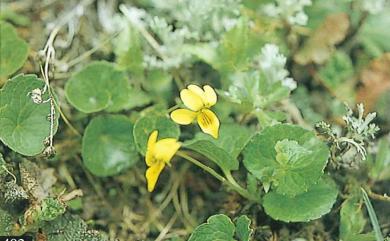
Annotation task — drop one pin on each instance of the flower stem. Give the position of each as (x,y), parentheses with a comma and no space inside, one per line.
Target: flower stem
(229,180)
(237,187)
(201,165)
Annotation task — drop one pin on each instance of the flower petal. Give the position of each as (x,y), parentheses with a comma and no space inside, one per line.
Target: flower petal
(210,95)
(208,122)
(166,148)
(183,116)
(150,148)
(198,91)
(191,100)
(152,174)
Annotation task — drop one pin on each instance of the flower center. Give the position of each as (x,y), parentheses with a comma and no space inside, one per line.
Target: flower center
(155,160)
(204,118)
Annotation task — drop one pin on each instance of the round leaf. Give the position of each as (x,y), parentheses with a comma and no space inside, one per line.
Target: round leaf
(314,203)
(13,49)
(24,124)
(99,86)
(286,156)
(150,122)
(108,146)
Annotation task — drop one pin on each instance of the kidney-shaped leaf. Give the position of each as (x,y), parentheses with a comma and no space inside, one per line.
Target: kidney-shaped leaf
(24,124)
(98,86)
(108,146)
(13,49)
(314,203)
(286,156)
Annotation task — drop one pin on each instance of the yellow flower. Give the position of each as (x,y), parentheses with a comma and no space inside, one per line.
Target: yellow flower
(158,153)
(198,102)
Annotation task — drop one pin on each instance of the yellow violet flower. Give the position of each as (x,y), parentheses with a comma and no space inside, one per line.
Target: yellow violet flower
(158,153)
(198,101)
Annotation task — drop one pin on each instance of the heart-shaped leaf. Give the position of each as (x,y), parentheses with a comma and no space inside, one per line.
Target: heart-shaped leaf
(153,121)
(98,86)
(108,146)
(13,49)
(314,203)
(24,124)
(286,156)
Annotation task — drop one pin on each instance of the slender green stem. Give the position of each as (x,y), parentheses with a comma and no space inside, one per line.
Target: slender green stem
(373,218)
(242,191)
(229,180)
(172,108)
(201,165)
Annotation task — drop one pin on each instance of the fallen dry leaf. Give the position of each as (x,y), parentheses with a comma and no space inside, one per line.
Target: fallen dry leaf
(35,181)
(376,81)
(320,45)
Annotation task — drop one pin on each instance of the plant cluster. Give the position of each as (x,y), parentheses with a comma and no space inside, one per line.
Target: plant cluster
(222,120)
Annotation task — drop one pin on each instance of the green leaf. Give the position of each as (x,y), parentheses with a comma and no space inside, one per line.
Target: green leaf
(128,50)
(46,210)
(50,209)
(218,228)
(232,138)
(303,100)
(288,156)
(158,84)
(352,221)
(214,153)
(314,203)
(380,166)
(24,124)
(108,146)
(13,49)
(243,230)
(374,34)
(254,90)
(138,98)
(382,105)
(98,86)
(224,150)
(153,121)
(70,227)
(336,75)
(236,49)
(6,223)
(203,51)
(19,19)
